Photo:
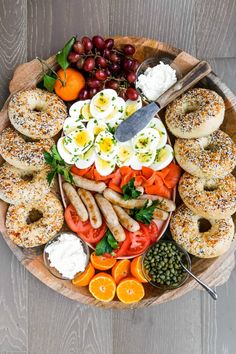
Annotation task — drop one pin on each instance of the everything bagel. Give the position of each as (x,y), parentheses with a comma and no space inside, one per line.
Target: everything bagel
(184,227)
(196,113)
(36,113)
(23,154)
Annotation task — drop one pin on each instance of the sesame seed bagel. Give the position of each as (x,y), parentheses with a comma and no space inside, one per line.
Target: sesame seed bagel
(196,113)
(184,227)
(37,233)
(23,154)
(36,113)
(210,198)
(17,186)
(213,156)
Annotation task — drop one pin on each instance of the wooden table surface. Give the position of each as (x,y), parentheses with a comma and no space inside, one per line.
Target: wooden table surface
(33,318)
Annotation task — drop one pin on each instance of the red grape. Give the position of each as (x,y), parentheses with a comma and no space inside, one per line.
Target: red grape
(114,67)
(101,75)
(127,64)
(73,57)
(92,92)
(107,71)
(93,83)
(135,65)
(129,49)
(89,64)
(114,58)
(106,53)
(131,94)
(112,84)
(87,43)
(131,77)
(101,62)
(78,47)
(98,42)
(109,43)
(80,63)
(84,94)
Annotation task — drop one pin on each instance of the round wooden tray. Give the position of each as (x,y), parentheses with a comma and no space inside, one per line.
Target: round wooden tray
(214,271)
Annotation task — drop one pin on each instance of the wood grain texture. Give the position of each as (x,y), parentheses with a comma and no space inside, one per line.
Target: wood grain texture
(52,22)
(13,40)
(225,68)
(216,28)
(169,21)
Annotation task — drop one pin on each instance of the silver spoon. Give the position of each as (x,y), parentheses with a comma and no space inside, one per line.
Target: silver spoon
(206,287)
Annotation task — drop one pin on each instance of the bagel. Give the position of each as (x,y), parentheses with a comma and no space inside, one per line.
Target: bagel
(213,156)
(36,113)
(31,234)
(184,227)
(16,188)
(209,198)
(26,155)
(196,113)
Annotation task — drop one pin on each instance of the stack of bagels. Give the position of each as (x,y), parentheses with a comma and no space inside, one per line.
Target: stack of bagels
(207,188)
(36,116)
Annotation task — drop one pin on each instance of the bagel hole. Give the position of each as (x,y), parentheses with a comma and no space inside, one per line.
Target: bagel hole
(210,186)
(27,177)
(34,215)
(39,107)
(210,147)
(189,107)
(204,225)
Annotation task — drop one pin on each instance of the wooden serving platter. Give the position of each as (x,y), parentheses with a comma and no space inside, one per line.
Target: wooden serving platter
(214,271)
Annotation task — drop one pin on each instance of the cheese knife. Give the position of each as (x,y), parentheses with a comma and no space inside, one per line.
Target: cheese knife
(141,118)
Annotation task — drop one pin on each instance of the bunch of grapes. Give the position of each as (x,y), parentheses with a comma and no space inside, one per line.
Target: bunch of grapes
(104,66)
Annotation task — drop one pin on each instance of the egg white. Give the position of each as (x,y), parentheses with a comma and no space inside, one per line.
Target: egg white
(96,126)
(106,146)
(147,139)
(71,124)
(85,160)
(104,167)
(63,152)
(160,128)
(141,159)
(78,110)
(125,154)
(103,103)
(74,144)
(163,158)
(117,112)
(132,106)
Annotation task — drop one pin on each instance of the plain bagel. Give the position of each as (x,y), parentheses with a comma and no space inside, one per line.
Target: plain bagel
(18,186)
(31,234)
(184,227)
(196,113)
(213,156)
(36,113)
(23,154)
(209,198)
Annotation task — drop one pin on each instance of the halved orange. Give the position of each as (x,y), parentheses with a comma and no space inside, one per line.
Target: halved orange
(103,287)
(84,278)
(120,270)
(102,262)
(130,290)
(136,269)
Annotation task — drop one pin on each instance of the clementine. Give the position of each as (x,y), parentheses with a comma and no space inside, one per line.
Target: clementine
(136,269)
(130,290)
(84,278)
(102,262)
(74,82)
(120,270)
(103,287)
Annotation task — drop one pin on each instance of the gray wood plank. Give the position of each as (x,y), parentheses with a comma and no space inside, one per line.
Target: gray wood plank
(216,28)
(166,20)
(13,41)
(13,302)
(59,325)
(225,68)
(51,23)
(171,328)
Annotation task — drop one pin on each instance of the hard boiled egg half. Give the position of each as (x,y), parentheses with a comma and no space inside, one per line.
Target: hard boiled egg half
(81,111)
(106,146)
(104,167)
(146,140)
(132,106)
(161,130)
(163,157)
(78,141)
(85,160)
(63,152)
(103,103)
(125,154)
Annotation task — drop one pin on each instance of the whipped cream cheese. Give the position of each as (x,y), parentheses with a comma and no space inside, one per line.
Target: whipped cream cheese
(67,255)
(155,81)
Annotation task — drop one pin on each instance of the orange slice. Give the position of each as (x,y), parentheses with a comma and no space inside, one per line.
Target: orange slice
(130,290)
(103,287)
(102,262)
(136,269)
(120,270)
(84,278)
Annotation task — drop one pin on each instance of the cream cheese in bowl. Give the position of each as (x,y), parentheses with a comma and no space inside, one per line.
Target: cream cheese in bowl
(156,80)
(66,255)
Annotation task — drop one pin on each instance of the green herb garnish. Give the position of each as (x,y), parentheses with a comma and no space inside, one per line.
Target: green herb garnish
(145,214)
(129,190)
(107,244)
(58,165)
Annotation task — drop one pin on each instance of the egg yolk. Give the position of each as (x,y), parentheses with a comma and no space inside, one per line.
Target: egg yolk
(97,130)
(130,109)
(86,111)
(112,114)
(106,144)
(124,154)
(145,157)
(161,155)
(82,138)
(142,142)
(102,102)
(104,164)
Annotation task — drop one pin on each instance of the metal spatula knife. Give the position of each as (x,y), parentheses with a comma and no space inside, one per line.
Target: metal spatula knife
(140,119)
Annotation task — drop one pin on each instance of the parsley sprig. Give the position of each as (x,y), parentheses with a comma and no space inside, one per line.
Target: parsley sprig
(129,190)
(145,214)
(58,165)
(107,244)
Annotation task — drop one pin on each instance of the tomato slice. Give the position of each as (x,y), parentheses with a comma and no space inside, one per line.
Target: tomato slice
(123,246)
(83,229)
(151,230)
(140,240)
